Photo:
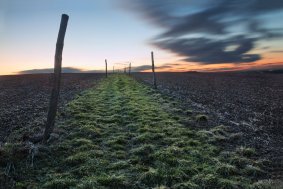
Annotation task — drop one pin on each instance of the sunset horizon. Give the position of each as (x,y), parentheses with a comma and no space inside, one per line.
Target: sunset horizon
(185,36)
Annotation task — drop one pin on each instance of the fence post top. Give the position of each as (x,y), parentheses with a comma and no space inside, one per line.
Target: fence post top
(65,16)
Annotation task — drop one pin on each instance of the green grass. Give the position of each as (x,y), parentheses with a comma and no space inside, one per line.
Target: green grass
(120,135)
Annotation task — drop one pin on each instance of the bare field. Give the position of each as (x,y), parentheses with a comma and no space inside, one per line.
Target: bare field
(251,103)
(24,98)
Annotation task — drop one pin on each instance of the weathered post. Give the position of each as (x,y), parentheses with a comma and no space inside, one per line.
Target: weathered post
(113,69)
(125,70)
(57,79)
(130,67)
(106,68)
(153,71)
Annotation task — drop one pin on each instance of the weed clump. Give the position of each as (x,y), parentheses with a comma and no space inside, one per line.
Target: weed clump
(150,178)
(89,183)
(247,152)
(205,180)
(185,185)
(226,169)
(113,181)
(78,158)
(148,138)
(143,153)
(201,119)
(266,184)
(60,183)
(252,170)
(189,112)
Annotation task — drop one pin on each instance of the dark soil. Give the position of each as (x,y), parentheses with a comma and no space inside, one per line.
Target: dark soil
(24,99)
(124,135)
(251,103)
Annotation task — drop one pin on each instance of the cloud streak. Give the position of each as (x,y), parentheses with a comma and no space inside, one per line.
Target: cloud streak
(64,70)
(207,51)
(210,31)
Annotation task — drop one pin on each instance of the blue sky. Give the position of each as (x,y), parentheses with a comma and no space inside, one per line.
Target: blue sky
(122,30)
(97,30)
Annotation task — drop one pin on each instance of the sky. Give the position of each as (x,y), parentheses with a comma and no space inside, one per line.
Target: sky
(185,35)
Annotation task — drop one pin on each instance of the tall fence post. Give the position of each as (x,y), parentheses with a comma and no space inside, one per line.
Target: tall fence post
(106,71)
(53,104)
(113,69)
(153,71)
(130,67)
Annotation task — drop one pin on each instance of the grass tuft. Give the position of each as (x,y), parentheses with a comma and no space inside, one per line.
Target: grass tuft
(201,118)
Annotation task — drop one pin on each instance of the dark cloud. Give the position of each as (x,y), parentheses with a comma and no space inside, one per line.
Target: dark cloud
(219,23)
(264,5)
(204,22)
(156,11)
(64,70)
(207,51)
(51,70)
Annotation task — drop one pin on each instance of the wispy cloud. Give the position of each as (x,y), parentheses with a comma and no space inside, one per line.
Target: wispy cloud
(141,68)
(149,67)
(276,51)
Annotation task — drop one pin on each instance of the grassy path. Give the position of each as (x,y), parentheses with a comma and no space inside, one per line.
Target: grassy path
(120,135)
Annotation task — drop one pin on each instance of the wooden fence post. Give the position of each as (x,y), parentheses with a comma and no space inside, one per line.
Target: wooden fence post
(130,67)
(153,70)
(106,68)
(53,104)
(113,69)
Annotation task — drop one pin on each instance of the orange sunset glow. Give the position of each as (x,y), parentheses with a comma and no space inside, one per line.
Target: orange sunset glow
(122,32)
